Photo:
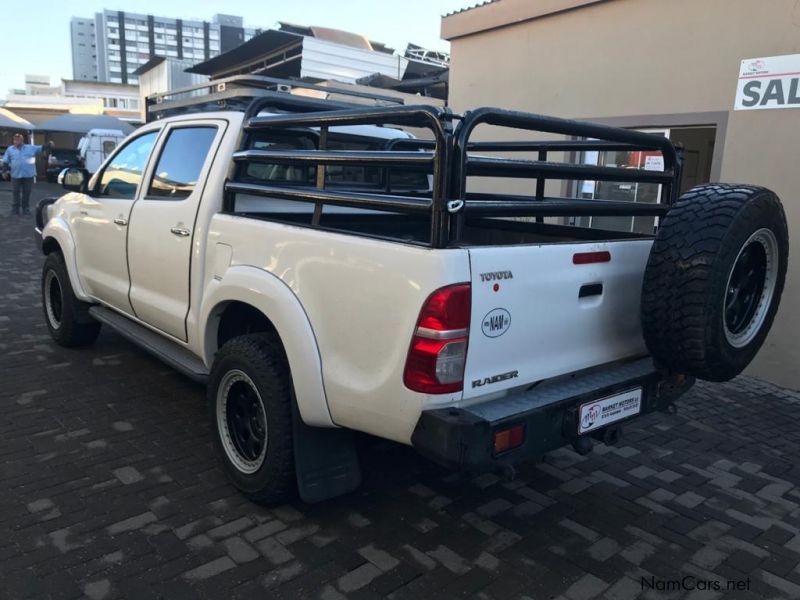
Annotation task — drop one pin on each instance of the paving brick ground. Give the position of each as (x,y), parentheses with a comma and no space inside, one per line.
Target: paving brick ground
(109,488)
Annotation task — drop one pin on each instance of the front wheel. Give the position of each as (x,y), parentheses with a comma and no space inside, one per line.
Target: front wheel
(67,318)
(249,397)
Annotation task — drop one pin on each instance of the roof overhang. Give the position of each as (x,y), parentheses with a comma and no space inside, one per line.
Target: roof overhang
(150,64)
(250,53)
(502,13)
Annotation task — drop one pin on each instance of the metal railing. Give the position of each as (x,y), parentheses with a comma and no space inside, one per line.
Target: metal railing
(450,157)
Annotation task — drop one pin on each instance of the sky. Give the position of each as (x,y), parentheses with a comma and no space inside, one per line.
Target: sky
(36,34)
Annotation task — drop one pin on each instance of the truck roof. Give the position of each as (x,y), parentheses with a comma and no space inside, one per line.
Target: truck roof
(373,131)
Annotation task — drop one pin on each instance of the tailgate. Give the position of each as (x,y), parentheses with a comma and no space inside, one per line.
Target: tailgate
(536,314)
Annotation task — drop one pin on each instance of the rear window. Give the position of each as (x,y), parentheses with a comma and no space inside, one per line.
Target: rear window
(338,177)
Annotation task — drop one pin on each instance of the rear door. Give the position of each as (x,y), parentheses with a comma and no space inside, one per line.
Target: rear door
(162,229)
(543,311)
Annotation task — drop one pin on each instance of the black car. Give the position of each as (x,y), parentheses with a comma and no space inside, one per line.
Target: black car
(59,160)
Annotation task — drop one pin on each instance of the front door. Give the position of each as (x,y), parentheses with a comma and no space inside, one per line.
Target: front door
(162,229)
(101,225)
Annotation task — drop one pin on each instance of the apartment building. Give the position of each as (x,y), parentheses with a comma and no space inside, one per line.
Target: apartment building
(111,46)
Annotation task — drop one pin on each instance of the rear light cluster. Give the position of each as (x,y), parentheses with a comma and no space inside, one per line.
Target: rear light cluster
(438,350)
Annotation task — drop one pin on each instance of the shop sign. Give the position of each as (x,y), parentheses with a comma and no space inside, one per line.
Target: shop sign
(770,82)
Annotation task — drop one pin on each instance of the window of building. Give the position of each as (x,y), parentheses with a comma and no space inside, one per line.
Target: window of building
(181,162)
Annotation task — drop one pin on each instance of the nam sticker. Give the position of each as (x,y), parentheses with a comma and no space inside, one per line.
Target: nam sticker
(496,322)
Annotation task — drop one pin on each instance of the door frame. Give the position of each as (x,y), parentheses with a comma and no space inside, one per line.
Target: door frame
(716,119)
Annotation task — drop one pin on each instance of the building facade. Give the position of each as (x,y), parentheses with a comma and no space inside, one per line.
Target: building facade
(84,49)
(111,46)
(677,68)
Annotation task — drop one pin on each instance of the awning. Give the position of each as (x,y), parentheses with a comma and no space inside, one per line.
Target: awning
(8,120)
(71,123)
(253,49)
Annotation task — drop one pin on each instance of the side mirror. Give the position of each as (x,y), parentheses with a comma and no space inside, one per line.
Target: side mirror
(74,180)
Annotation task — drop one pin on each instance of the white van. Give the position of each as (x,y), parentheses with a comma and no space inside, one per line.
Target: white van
(97,145)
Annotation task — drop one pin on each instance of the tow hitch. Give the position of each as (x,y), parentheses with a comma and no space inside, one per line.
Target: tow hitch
(610,436)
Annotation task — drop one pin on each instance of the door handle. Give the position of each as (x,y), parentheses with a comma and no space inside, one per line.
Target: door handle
(85,213)
(180,231)
(120,221)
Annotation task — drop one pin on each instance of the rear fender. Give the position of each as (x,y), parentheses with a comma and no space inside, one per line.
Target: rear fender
(270,295)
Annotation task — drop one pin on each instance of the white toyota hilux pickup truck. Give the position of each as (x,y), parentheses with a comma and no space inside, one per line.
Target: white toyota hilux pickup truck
(325,271)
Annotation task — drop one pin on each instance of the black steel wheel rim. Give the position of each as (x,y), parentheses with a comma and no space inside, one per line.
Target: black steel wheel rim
(54,303)
(246,421)
(745,287)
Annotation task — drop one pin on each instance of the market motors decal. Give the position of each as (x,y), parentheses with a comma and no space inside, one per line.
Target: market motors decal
(605,411)
(770,82)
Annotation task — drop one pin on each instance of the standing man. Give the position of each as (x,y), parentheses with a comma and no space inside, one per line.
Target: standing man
(21,158)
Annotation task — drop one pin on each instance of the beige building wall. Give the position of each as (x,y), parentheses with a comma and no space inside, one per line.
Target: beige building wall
(648,63)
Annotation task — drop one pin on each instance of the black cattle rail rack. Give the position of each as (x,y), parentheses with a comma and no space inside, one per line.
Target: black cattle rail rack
(451,158)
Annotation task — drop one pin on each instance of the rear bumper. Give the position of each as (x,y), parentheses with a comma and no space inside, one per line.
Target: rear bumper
(463,438)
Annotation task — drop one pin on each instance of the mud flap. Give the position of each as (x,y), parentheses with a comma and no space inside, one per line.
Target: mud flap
(325,460)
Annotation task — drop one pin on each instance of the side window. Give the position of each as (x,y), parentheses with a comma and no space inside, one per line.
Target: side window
(181,162)
(279,173)
(108,147)
(121,178)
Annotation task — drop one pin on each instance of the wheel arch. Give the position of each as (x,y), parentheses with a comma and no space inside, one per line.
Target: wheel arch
(56,237)
(247,300)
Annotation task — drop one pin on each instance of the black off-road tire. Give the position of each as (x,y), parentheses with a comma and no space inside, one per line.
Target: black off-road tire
(67,317)
(258,361)
(692,316)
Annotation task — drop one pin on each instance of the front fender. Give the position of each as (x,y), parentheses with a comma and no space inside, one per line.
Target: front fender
(270,295)
(57,229)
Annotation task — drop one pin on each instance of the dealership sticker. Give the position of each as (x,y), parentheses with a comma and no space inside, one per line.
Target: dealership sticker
(605,411)
(768,82)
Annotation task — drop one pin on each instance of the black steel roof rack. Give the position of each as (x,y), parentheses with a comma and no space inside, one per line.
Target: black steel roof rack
(237,93)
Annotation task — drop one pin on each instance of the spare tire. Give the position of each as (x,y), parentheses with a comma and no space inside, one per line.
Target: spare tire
(714,279)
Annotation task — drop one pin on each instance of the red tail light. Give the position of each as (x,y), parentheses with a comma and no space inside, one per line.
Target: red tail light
(438,350)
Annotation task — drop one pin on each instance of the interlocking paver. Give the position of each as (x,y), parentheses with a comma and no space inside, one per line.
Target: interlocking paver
(110,488)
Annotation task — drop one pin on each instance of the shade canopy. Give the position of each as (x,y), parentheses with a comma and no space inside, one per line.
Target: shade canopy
(8,120)
(71,123)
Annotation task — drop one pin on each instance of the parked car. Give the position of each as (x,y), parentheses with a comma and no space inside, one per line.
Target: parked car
(324,272)
(60,159)
(5,172)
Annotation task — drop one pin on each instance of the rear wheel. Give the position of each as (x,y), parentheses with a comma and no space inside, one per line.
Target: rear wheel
(67,317)
(714,279)
(250,396)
